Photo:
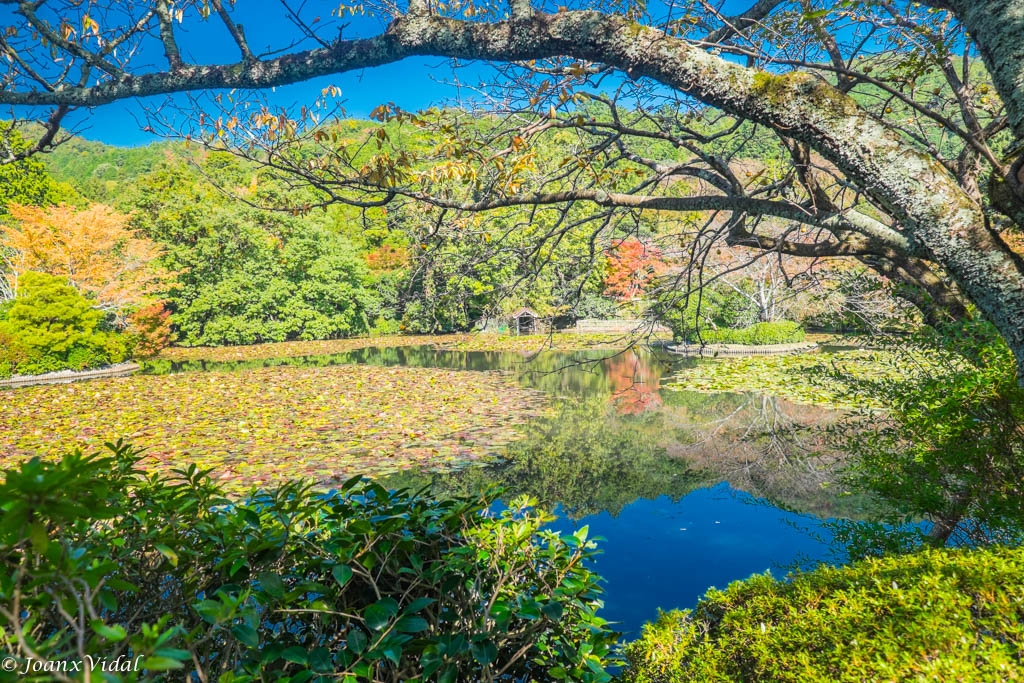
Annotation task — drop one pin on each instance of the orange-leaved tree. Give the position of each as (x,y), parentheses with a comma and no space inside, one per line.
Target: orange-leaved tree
(93,247)
(632,265)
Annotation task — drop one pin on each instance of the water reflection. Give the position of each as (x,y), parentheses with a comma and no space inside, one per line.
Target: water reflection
(614,436)
(689,490)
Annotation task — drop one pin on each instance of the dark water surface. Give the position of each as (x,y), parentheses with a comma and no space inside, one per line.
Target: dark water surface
(687,490)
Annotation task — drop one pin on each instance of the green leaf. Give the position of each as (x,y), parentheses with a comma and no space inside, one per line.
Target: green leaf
(449,675)
(484,653)
(114,633)
(167,552)
(393,652)
(246,635)
(552,610)
(356,640)
(160,664)
(380,613)
(39,537)
(272,584)
(341,573)
(411,625)
(418,604)
(320,660)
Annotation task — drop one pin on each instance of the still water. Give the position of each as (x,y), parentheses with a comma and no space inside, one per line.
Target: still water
(687,490)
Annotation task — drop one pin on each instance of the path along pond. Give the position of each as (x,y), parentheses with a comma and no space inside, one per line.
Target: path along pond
(688,490)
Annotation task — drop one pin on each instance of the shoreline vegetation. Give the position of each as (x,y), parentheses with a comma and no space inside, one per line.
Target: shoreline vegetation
(466,341)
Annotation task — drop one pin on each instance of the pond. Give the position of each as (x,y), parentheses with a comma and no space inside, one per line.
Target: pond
(688,490)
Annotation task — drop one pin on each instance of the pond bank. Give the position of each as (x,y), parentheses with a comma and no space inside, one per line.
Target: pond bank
(67,376)
(739,350)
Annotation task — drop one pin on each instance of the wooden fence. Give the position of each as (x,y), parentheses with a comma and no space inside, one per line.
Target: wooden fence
(620,326)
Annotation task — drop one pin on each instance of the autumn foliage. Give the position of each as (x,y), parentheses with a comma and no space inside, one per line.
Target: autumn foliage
(632,265)
(150,328)
(387,258)
(93,248)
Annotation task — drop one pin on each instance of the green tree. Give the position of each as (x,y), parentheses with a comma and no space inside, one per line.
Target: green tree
(860,174)
(27,181)
(245,275)
(51,326)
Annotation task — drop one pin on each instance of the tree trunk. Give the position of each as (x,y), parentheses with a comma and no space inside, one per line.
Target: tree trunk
(997,28)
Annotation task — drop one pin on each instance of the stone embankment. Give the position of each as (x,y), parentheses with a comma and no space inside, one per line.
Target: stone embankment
(727,350)
(64,376)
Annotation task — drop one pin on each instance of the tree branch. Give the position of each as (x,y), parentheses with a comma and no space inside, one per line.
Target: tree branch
(736,24)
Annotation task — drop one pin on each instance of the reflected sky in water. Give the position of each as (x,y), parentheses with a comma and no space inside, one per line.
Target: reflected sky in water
(665,554)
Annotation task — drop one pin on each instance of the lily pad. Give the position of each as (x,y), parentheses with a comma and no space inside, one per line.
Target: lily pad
(268,425)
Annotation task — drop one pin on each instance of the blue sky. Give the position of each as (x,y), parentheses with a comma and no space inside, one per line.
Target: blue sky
(412,84)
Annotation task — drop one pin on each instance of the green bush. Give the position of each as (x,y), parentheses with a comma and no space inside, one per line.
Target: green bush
(51,326)
(937,615)
(716,309)
(949,449)
(781,332)
(288,585)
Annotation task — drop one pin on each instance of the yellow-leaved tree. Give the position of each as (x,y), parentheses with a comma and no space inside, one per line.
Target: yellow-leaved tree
(93,247)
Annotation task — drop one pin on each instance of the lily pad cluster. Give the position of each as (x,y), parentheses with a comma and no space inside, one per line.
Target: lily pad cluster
(533,343)
(275,424)
(840,380)
(290,349)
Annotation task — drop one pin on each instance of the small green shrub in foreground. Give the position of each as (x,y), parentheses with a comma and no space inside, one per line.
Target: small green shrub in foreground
(781,332)
(936,615)
(365,584)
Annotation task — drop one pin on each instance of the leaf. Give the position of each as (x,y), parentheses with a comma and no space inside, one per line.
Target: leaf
(167,552)
(272,584)
(356,640)
(377,615)
(552,610)
(411,625)
(484,653)
(113,633)
(246,635)
(341,573)
(154,663)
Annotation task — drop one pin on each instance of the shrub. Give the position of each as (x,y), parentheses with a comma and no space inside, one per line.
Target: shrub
(949,448)
(781,332)
(716,309)
(12,355)
(356,585)
(947,615)
(53,327)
